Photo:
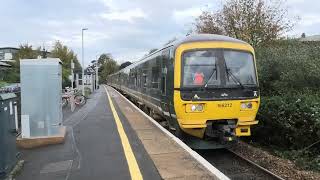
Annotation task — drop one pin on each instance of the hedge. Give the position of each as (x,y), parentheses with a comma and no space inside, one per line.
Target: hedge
(289,115)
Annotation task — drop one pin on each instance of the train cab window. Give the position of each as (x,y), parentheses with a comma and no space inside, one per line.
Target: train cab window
(240,67)
(199,68)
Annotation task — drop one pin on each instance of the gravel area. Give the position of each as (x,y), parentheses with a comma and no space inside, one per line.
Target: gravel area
(282,167)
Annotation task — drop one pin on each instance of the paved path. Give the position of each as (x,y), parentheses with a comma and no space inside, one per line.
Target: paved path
(93,148)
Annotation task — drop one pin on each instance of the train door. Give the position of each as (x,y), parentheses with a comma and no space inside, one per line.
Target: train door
(164,86)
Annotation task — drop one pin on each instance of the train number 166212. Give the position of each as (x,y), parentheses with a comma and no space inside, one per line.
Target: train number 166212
(225,105)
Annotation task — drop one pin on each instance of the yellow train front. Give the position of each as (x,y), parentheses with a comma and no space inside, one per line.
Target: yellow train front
(207,88)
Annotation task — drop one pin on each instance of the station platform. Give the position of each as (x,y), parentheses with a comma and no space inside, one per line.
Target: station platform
(110,138)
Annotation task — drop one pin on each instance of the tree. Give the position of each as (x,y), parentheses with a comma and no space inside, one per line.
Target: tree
(12,74)
(208,23)
(125,64)
(107,66)
(254,21)
(104,57)
(26,52)
(65,55)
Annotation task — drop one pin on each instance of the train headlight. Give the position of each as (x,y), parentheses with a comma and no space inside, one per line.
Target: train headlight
(194,107)
(199,107)
(246,105)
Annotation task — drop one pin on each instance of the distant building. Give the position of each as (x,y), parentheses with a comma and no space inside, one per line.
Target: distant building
(7,53)
(310,38)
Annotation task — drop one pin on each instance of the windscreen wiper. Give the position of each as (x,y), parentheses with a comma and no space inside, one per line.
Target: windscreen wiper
(235,79)
(213,71)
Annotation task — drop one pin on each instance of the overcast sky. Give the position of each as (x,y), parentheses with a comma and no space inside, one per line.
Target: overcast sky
(127,29)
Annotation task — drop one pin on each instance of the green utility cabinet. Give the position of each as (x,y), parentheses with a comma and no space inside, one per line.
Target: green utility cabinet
(8,117)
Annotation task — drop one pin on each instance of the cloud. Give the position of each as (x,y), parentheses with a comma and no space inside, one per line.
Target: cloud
(90,38)
(127,29)
(126,15)
(107,3)
(310,19)
(54,23)
(186,14)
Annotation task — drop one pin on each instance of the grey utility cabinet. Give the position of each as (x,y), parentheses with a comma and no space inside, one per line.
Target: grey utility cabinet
(41,90)
(8,149)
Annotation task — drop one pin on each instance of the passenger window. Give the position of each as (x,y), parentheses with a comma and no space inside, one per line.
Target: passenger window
(163,87)
(144,76)
(136,79)
(155,77)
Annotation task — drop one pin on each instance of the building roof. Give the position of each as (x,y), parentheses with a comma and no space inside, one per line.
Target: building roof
(89,70)
(46,61)
(13,48)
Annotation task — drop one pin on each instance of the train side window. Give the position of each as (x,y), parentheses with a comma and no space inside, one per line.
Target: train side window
(131,79)
(155,77)
(163,85)
(144,76)
(136,79)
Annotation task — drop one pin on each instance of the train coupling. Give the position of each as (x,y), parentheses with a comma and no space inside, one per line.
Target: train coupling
(224,130)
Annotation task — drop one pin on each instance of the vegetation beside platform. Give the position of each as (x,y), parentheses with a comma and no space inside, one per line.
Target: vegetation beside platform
(289,76)
(288,71)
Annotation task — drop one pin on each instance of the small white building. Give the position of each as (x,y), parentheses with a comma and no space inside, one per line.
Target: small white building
(89,79)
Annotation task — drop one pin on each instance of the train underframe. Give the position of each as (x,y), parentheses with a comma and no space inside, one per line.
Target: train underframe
(217,133)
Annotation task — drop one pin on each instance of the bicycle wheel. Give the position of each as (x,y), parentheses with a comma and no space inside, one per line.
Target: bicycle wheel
(80,100)
(64,102)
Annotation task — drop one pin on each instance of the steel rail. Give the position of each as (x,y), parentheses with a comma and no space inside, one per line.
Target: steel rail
(256,165)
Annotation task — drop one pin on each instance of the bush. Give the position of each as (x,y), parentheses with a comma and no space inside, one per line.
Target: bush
(289,121)
(289,114)
(2,83)
(305,159)
(288,65)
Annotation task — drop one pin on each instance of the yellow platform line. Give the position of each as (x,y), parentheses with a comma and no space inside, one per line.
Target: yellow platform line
(131,160)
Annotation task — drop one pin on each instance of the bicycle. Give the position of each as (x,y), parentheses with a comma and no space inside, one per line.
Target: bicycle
(79,99)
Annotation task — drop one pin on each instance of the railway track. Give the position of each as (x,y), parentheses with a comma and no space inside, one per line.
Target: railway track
(235,166)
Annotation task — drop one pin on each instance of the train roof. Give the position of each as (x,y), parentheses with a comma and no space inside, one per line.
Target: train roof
(189,39)
(197,38)
(205,37)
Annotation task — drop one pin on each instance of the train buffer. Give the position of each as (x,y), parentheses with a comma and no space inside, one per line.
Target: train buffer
(110,138)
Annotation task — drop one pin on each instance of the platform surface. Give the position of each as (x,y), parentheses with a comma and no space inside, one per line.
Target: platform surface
(99,145)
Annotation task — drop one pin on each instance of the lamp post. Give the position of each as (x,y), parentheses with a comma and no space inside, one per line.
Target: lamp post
(95,64)
(83,29)
(97,76)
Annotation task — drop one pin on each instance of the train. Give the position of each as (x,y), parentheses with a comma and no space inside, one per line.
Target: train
(204,86)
